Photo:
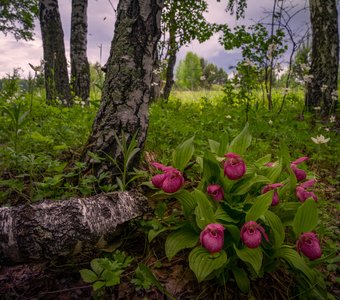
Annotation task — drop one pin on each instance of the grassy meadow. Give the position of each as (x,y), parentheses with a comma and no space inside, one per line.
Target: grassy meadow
(40,146)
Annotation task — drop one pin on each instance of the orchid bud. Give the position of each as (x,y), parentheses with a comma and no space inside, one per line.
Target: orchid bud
(212,238)
(234,166)
(251,234)
(309,244)
(216,192)
(302,194)
(299,173)
(273,186)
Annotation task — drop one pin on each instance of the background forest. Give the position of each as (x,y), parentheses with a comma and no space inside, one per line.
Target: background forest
(171,179)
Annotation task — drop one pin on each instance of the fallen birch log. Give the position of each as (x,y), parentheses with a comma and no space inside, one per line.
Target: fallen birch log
(51,229)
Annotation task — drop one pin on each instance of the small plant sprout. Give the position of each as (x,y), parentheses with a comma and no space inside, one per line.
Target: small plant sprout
(320,139)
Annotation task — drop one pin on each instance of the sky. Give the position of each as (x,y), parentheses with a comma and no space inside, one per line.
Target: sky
(101,19)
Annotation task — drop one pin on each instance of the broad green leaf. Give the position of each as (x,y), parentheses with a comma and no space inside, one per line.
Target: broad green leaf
(275,224)
(246,186)
(187,201)
(284,155)
(242,279)
(98,285)
(204,210)
(202,263)
(180,239)
(306,217)
(214,146)
(234,232)
(252,256)
(260,206)
(155,232)
(223,145)
(241,142)
(296,261)
(96,266)
(88,275)
(183,154)
(211,168)
(222,215)
(274,172)
(262,161)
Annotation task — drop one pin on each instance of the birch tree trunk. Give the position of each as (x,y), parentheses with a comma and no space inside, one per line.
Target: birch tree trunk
(56,75)
(322,89)
(80,69)
(126,93)
(52,229)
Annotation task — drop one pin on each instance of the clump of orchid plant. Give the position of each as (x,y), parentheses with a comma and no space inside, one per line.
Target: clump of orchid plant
(232,222)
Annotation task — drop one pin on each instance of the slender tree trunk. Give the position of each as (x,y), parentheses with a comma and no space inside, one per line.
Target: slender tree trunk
(56,75)
(322,90)
(126,94)
(52,229)
(80,69)
(169,81)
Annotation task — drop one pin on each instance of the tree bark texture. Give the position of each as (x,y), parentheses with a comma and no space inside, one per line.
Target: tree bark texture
(56,75)
(52,229)
(126,93)
(321,90)
(80,68)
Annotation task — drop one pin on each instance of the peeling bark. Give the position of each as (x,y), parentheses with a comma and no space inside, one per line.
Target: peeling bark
(52,229)
(322,89)
(56,75)
(126,93)
(80,68)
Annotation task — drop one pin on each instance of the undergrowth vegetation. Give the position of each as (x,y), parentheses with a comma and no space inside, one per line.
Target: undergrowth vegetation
(41,146)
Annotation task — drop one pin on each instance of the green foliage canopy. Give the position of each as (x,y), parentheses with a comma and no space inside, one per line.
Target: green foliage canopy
(17,17)
(189,72)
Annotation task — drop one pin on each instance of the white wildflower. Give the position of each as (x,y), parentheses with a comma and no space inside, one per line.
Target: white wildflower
(202,78)
(320,139)
(285,91)
(327,129)
(270,122)
(332,119)
(228,117)
(154,83)
(317,107)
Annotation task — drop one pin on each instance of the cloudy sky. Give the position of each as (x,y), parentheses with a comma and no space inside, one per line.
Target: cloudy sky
(101,18)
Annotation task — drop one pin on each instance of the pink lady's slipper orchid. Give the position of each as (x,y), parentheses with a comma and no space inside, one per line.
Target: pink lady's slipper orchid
(170,181)
(251,234)
(234,166)
(212,238)
(302,194)
(215,191)
(273,186)
(299,173)
(309,244)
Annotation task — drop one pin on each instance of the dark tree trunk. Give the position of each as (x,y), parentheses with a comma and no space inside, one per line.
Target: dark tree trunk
(126,93)
(56,75)
(169,76)
(80,69)
(53,229)
(321,90)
